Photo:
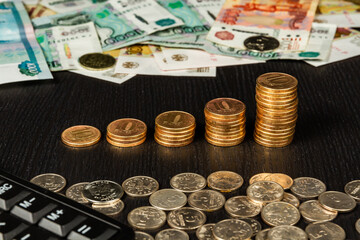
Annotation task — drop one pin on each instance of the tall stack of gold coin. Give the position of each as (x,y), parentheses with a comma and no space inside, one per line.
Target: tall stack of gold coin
(225,122)
(126,132)
(276,112)
(174,128)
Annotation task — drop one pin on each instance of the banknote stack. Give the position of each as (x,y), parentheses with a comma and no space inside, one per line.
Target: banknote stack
(174,128)
(225,122)
(126,132)
(276,112)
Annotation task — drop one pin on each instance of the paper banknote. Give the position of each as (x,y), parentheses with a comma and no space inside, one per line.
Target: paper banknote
(207,9)
(114,32)
(264,24)
(21,57)
(64,45)
(344,47)
(108,75)
(341,13)
(38,10)
(140,59)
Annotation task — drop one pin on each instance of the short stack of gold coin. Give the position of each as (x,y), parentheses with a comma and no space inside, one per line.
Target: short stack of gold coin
(225,122)
(174,128)
(126,132)
(276,112)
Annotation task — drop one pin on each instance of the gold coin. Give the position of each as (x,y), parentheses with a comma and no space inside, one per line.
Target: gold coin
(174,139)
(225,133)
(277,82)
(271,94)
(174,136)
(97,61)
(221,125)
(258,177)
(175,121)
(225,181)
(272,144)
(80,136)
(225,107)
(273,137)
(274,128)
(126,128)
(173,144)
(177,133)
(125,144)
(223,143)
(283,111)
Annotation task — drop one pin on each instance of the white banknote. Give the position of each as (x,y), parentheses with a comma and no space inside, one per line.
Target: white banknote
(108,75)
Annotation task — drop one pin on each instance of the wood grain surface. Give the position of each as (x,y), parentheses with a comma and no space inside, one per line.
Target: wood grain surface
(326,145)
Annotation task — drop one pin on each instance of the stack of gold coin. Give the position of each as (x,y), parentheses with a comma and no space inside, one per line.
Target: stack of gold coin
(225,122)
(174,128)
(276,112)
(126,132)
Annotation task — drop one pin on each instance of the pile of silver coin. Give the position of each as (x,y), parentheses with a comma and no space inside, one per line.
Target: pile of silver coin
(266,196)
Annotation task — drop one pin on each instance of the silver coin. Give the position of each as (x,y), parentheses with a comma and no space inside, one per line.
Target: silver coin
(255,225)
(325,231)
(50,181)
(307,187)
(188,182)
(289,198)
(265,192)
(205,232)
(337,201)
(103,191)
(140,186)
(225,181)
(263,234)
(242,207)
(280,213)
(287,232)
(312,211)
(234,229)
(168,199)
(109,209)
(261,43)
(172,234)
(186,218)
(74,192)
(357,225)
(142,236)
(353,189)
(146,218)
(206,200)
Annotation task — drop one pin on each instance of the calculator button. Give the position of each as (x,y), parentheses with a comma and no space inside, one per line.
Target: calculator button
(32,208)
(35,233)
(10,194)
(10,226)
(91,230)
(61,221)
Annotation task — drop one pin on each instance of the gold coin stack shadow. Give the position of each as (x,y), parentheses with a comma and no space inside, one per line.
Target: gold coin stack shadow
(126,132)
(276,109)
(225,122)
(174,128)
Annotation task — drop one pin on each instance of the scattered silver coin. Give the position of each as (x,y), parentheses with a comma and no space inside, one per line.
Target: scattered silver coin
(286,232)
(353,189)
(280,213)
(206,200)
(109,209)
(312,211)
(168,199)
(263,234)
(225,181)
(142,236)
(232,229)
(289,198)
(325,231)
(103,191)
(307,187)
(205,232)
(284,180)
(74,192)
(188,182)
(337,201)
(146,218)
(357,225)
(265,192)
(140,186)
(242,207)
(172,234)
(255,225)
(186,218)
(50,181)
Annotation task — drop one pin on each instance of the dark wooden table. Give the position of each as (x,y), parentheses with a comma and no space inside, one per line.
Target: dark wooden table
(326,144)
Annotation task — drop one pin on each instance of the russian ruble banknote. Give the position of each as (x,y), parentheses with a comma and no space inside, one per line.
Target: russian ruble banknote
(63,45)
(341,13)
(139,59)
(264,24)
(38,10)
(113,31)
(21,57)
(347,45)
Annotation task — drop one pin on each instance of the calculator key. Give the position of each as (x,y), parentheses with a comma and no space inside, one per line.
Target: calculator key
(61,221)
(10,194)
(35,233)
(10,226)
(91,229)
(32,208)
